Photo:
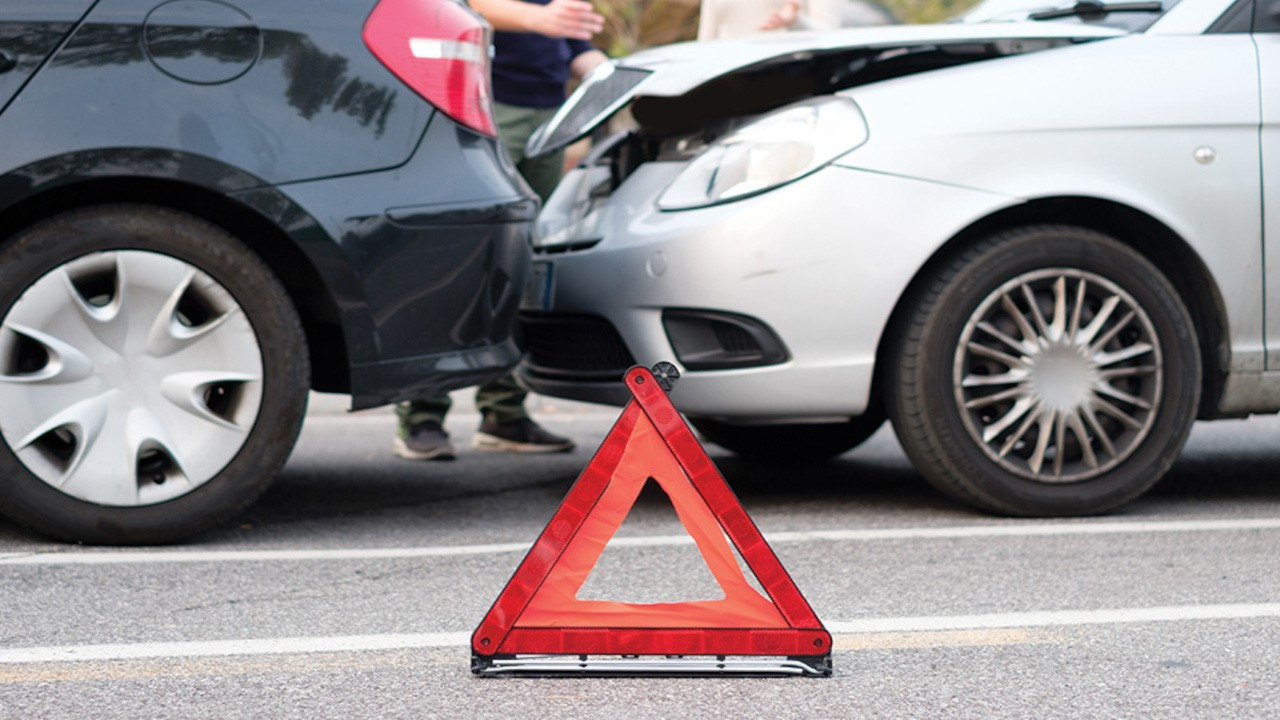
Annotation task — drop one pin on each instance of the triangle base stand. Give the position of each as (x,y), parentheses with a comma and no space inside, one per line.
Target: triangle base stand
(649,666)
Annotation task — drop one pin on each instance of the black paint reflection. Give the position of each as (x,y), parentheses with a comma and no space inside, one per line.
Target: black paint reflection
(30,42)
(113,162)
(315,81)
(27,44)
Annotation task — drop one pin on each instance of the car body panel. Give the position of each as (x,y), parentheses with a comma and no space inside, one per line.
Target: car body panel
(424,289)
(1048,140)
(209,208)
(985,136)
(675,70)
(1041,259)
(682,67)
(1269,83)
(421,272)
(29,32)
(747,256)
(339,97)
(65,169)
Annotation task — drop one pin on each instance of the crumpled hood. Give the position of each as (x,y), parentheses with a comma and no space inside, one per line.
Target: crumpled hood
(679,68)
(674,70)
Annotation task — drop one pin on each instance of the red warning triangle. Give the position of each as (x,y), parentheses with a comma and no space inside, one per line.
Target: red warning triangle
(538,612)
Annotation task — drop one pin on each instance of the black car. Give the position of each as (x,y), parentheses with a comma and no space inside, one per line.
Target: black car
(210,207)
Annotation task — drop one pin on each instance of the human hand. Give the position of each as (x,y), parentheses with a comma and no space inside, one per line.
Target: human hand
(783,17)
(576,19)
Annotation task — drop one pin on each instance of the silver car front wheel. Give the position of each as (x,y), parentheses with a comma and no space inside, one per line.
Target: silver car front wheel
(1047,370)
(1058,374)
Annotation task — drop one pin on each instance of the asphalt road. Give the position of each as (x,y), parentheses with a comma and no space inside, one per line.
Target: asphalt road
(350,590)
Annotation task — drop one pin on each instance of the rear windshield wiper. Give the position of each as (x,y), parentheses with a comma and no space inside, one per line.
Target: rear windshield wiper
(1088,9)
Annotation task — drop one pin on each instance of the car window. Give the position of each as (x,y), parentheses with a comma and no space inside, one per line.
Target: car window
(1237,19)
(1267,16)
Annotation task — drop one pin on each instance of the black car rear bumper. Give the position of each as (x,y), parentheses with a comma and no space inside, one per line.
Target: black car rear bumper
(426,292)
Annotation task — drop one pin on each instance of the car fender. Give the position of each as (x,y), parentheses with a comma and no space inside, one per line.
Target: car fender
(221,193)
(1114,121)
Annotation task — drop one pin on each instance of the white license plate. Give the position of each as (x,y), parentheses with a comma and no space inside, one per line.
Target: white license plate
(540,293)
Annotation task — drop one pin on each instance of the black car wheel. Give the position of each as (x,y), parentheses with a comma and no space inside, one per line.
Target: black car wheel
(153,375)
(1046,371)
(793,442)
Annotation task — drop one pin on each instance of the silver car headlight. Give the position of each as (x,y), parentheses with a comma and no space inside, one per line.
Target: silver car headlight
(780,147)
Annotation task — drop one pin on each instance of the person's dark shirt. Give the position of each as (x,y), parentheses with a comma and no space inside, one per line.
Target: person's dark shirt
(530,70)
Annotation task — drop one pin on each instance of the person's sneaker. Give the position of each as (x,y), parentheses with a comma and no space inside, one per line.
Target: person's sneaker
(425,441)
(523,436)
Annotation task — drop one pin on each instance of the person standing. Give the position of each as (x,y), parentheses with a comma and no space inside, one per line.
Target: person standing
(538,47)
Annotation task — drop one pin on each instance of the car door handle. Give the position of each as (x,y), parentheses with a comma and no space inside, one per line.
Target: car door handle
(8,61)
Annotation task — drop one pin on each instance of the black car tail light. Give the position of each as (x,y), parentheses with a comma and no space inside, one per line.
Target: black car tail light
(710,340)
(441,50)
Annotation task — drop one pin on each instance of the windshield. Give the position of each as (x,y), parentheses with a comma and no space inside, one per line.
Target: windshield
(1130,16)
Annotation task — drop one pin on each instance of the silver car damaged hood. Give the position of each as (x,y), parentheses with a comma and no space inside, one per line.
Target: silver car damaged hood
(792,65)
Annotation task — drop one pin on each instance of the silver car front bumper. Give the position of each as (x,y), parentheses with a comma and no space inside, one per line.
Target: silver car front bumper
(824,276)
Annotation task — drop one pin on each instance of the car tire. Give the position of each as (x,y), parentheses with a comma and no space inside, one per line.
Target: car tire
(153,375)
(1073,404)
(794,442)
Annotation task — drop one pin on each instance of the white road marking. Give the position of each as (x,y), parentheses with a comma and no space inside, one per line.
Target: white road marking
(182,556)
(944,639)
(462,419)
(223,648)
(846,630)
(1001,530)
(1055,618)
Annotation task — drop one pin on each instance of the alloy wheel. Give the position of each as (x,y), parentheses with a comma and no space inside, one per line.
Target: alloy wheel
(1058,375)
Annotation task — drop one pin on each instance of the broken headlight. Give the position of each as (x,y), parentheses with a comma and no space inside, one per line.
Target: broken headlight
(782,146)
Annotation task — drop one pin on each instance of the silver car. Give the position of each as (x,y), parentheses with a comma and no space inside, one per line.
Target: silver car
(1040,248)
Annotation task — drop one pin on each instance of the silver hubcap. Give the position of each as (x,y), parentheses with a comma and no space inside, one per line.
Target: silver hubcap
(1058,375)
(127,378)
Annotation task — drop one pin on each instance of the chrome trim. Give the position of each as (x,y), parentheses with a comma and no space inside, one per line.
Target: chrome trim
(643,665)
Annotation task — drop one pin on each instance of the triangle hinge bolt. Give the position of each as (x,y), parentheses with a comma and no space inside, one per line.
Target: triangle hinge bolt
(666,374)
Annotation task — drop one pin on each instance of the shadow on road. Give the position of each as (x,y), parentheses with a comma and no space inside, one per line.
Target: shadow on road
(348,473)
(1220,464)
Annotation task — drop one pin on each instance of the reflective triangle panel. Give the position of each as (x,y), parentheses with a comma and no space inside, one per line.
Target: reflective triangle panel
(539,611)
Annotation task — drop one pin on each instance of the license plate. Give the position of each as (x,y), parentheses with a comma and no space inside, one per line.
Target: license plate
(539,294)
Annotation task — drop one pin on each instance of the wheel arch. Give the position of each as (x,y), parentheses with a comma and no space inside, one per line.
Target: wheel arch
(326,342)
(1154,240)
